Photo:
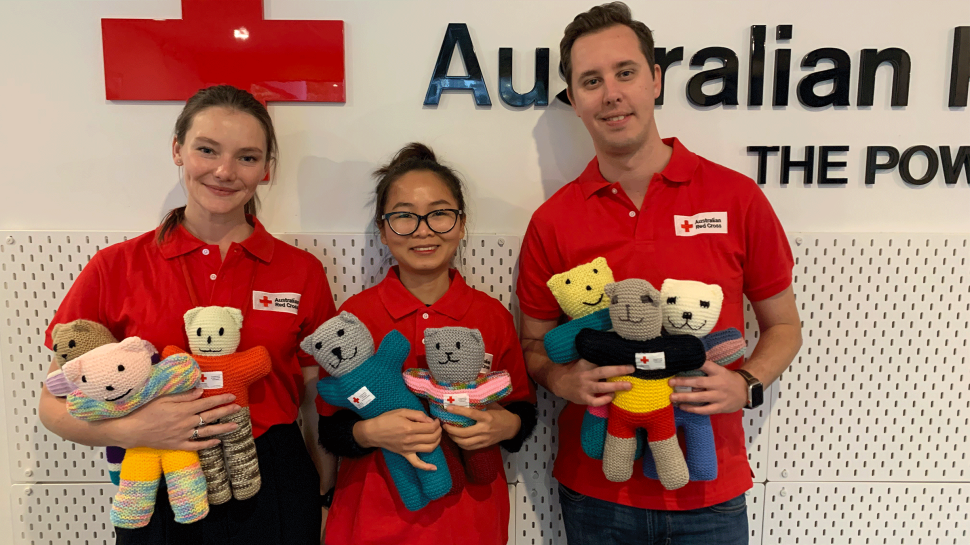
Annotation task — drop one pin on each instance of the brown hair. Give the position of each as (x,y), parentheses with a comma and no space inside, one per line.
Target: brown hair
(414,156)
(596,19)
(223,96)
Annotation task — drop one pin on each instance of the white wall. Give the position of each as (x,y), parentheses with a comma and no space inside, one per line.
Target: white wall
(76,161)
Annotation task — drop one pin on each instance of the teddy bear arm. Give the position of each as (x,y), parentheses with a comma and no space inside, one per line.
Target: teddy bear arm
(256,364)
(393,351)
(420,385)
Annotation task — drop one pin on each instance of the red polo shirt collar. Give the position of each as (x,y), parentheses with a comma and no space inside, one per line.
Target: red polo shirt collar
(399,302)
(180,242)
(680,169)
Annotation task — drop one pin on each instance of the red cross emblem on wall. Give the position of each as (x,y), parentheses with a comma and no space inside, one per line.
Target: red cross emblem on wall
(224,42)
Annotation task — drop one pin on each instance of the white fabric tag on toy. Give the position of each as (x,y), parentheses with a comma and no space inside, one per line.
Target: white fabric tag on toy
(211,380)
(486,365)
(361,398)
(460,400)
(650,361)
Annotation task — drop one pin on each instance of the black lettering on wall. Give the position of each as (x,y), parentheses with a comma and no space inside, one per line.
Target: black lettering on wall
(933,164)
(457,35)
(728,74)
(782,67)
(664,59)
(839,75)
(870,61)
(952,168)
(873,164)
(825,162)
(960,71)
(762,152)
(807,165)
(756,79)
(539,95)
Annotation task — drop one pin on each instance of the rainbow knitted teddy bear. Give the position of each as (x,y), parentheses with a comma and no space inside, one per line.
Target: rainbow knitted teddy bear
(371,384)
(636,317)
(455,356)
(231,468)
(115,379)
(68,341)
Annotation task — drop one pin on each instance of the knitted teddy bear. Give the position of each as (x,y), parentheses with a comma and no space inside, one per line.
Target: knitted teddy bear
(455,356)
(637,318)
(70,340)
(371,384)
(115,379)
(693,308)
(579,291)
(231,468)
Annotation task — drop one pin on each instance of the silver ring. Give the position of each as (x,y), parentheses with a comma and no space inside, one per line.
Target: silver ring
(195,434)
(201,421)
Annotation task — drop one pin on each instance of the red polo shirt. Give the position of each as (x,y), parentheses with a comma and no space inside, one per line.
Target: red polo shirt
(139,288)
(366,509)
(591,217)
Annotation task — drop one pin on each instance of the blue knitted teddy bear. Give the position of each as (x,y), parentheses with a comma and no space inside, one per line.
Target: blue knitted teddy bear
(371,384)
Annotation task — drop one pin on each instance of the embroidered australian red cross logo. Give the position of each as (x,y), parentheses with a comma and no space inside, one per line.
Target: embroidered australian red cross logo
(356,400)
(203,378)
(265,301)
(224,42)
(451,399)
(687,226)
(644,359)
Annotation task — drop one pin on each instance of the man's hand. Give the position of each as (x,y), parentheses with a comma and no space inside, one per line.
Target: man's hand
(582,382)
(723,391)
(491,426)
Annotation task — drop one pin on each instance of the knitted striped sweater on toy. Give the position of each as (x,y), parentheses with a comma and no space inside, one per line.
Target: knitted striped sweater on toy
(480,393)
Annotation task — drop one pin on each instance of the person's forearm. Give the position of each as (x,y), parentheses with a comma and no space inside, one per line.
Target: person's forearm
(540,367)
(54,416)
(325,462)
(777,347)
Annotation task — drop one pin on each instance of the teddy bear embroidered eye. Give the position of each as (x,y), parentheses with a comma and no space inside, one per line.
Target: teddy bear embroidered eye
(68,341)
(455,356)
(115,379)
(636,316)
(579,292)
(371,384)
(231,468)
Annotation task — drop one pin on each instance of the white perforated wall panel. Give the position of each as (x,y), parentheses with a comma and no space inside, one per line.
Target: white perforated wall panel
(880,391)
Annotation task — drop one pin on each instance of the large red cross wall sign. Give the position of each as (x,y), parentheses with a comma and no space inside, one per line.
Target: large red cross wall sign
(224,42)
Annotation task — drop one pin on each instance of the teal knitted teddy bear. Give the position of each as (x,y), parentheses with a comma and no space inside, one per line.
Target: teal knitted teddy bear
(371,384)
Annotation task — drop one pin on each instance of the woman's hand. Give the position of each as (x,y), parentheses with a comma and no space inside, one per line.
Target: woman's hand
(169,422)
(491,426)
(404,431)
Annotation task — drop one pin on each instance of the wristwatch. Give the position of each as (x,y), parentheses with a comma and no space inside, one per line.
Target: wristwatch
(756,390)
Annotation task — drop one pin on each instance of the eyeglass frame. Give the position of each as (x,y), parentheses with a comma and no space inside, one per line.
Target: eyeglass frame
(458,214)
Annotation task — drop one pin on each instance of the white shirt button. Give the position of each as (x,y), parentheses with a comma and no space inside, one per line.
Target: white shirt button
(205,251)
(425,315)
(212,277)
(633,214)
(422,340)
(614,191)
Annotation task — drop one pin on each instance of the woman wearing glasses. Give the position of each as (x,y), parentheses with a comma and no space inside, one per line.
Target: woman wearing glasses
(420,212)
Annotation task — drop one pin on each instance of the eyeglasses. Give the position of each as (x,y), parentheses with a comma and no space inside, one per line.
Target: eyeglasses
(440,221)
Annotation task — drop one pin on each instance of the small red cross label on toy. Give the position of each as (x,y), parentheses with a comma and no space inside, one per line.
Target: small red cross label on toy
(687,226)
(202,379)
(265,301)
(644,359)
(356,400)
(451,399)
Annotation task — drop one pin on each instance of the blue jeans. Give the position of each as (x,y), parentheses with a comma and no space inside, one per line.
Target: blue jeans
(590,521)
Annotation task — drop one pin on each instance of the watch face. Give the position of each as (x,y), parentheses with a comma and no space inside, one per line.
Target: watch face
(757,395)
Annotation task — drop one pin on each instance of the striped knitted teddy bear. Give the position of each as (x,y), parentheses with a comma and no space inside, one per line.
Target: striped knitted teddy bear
(693,308)
(371,384)
(636,317)
(68,341)
(455,356)
(231,468)
(115,379)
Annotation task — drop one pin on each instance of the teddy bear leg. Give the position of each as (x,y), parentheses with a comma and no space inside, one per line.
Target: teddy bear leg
(699,441)
(593,431)
(671,466)
(186,485)
(241,461)
(135,501)
(405,479)
(213,465)
(618,453)
(455,466)
(435,484)
(114,456)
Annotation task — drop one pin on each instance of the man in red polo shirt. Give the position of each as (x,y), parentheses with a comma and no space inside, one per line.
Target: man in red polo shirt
(638,204)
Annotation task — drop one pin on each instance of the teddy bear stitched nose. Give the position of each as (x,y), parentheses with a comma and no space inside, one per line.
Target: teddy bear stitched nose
(336,352)
(209,340)
(688,315)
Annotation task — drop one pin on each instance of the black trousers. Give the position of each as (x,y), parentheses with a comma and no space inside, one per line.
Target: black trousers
(285,511)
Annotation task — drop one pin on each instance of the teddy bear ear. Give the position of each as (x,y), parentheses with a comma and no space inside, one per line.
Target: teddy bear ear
(307,344)
(72,371)
(610,289)
(599,262)
(81,326)
(716,291)
(477,336)
(57,327)
(191,314)
(236,316)
(348,317)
